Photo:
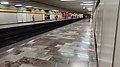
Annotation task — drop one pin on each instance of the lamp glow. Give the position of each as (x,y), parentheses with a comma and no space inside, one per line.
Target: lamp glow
(4,3)
(28,6)
(87,4)
(55,10)
(68,0)
(84,7)
(18,5)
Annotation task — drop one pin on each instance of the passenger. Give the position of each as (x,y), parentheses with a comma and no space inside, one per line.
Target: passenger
(89,17)
(33,18)
(56,17)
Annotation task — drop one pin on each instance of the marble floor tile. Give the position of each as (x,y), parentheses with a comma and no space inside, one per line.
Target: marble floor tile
(68,46)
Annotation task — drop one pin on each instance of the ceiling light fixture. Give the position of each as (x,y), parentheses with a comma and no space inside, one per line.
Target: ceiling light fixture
(84,7)
(87,4)
(4,3)
(55,10)
(68,0)
(28,6)
(89,9)
(18,5)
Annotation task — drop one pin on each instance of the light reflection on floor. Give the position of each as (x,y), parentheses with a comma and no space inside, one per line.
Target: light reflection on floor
(68,46)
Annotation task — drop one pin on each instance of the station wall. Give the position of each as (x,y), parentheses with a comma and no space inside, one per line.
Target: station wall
(7,18)
(105,19)
(20,17)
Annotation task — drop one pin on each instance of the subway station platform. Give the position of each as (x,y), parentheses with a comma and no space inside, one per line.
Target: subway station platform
(68,46)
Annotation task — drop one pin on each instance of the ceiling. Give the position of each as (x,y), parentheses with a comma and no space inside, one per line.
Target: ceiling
(69,5)
(57,4)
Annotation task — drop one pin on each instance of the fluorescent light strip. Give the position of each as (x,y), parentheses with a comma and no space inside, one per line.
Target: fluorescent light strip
(87,4)
(55,10)
(89,9)
(68,0)
(18,5)
(28,6)
(4,3)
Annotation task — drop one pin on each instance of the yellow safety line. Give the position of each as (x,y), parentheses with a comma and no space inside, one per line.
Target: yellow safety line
(20,11)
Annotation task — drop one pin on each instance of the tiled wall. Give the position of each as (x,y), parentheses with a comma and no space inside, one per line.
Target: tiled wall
(6,18)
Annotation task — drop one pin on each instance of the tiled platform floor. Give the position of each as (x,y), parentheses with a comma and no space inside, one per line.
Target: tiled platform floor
(68,46)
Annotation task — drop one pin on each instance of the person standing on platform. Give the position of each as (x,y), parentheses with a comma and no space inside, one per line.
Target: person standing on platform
(56,17)
(33,18)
